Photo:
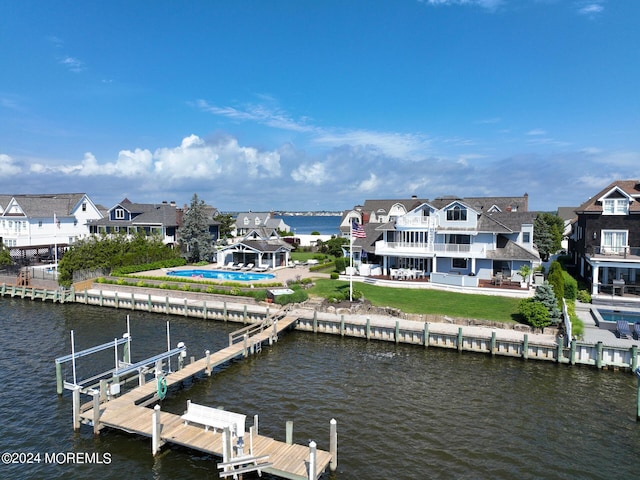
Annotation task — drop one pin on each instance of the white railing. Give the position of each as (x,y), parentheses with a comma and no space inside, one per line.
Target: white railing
(423,247)
(416,222)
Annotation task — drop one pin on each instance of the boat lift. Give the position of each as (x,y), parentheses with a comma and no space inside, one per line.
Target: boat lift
(122,368)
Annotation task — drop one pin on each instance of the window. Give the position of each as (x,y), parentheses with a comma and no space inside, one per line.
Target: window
(39,223)
(458,239)
(459,263)
(526,237)
(614,241)
(84,206)
(615,206)
(457,213)
(119,213)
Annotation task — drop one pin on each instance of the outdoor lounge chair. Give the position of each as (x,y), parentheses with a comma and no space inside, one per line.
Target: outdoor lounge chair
(229,265)
(261,268)
(247,267)
(237,266)
(623,329)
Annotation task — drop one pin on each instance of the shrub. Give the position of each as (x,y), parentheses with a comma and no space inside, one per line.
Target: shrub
(584,296)
(340,264)
(335,275)
(570,286)
(546,296)
(298,296)
(534,313)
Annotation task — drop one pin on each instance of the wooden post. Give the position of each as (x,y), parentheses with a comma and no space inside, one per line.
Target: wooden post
(397,333)
(315,321)
(493,342)
(599,355)
(459,339)
(368,332)
(76,408)
(59,380)
(133,301)
(126,354)
(101,299)
(559,354)
(186,309)
(116,300)
(155,430)
(224,312)
(342,325)
(634,357)
(96,412)
(207,356)
(166,304)
(572,352)
(204,309)
(333,444)
(312,460)
(525,346)
(425,337)
(245,340)
(149,304)
(289,432)
(244,315)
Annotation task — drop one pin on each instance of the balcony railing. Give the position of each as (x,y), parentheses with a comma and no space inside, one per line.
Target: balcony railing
(416,222)
(621,251)
(383,248)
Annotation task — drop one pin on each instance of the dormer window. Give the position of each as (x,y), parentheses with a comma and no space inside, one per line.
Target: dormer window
(615,206)
(246,220)
(257,221)
(119,213)
(457,213)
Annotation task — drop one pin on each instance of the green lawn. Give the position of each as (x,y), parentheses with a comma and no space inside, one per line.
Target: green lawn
(502,309)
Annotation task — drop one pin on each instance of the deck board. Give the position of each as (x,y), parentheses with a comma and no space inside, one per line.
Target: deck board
(124,413)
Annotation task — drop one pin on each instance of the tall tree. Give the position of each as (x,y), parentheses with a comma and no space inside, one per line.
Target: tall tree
(195,238)
(547,234)
(226,224)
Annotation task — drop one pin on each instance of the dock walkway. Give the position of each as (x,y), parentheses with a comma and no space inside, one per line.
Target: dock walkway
(127,413)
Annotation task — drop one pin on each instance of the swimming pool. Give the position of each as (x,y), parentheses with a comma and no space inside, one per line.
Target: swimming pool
(612,316)
(222,275)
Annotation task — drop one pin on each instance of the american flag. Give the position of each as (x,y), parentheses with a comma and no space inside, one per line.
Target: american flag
(357,231)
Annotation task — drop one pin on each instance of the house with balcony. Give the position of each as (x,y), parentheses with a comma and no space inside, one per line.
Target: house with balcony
(450,240)
(246,222)
(128,218)
(605,239)
(39,227)
(261,247)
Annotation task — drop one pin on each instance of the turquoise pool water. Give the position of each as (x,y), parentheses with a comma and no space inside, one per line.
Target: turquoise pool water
(231,276)
(615,315)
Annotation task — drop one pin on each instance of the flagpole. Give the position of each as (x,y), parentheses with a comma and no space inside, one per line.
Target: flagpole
(351,260)
(55,241)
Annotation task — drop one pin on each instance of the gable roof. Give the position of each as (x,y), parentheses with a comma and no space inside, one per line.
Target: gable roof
(629,187)
(44,205)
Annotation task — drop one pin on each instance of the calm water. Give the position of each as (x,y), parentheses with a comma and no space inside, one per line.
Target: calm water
(223,275)
(304,225)
(403,412)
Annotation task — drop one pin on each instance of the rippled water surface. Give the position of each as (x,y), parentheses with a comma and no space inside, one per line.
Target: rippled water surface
(403,412)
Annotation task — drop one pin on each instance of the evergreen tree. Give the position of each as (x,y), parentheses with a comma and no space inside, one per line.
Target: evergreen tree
(195,238)
(546,296)
(226,224)
(556,279)
(547,234)
(5,256)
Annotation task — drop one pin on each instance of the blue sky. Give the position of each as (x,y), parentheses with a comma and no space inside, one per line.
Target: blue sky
(302,104)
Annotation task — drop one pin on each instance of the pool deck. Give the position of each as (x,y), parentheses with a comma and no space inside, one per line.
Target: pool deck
(594,334)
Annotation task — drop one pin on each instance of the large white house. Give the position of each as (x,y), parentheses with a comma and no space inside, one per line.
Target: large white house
(450,240)
(32,226)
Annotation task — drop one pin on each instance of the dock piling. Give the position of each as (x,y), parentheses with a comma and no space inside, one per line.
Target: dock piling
(289,430)
(312,460)
(76,408)
(333,444)
(155,430)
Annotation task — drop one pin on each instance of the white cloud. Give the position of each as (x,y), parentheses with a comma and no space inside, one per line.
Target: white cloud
(314,174)
(536,131)
(591,9)
(488,4)
(73,64)
(369,185)
(8,166)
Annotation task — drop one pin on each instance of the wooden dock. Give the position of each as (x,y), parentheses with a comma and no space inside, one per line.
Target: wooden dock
(128,413)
